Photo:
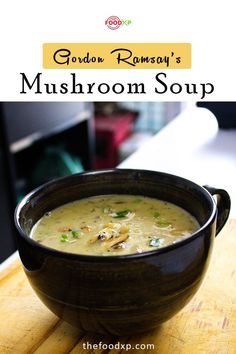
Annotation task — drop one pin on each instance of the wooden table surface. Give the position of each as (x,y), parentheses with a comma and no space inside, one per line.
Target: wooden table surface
(206,325)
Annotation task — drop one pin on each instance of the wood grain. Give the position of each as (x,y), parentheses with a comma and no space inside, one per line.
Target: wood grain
(206,325)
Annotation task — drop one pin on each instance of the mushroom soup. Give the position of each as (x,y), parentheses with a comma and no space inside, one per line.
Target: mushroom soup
(114,225)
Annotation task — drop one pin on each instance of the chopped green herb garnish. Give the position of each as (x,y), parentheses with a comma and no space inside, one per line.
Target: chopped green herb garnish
(156,214)
(64,238)
(163,223)
(121,213)
(116,214)
(75,233)
(155,242)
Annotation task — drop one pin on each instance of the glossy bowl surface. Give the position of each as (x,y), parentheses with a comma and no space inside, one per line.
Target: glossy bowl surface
(120,295)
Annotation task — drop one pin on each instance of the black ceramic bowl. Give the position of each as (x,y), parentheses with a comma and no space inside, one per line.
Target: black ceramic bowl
(120,295)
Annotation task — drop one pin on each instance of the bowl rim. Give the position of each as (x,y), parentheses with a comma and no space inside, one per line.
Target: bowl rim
(113,258)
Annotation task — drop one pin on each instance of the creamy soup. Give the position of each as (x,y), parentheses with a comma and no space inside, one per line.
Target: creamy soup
(114,225)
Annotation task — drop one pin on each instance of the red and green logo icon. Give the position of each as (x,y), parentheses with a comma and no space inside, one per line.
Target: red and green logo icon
(114,22)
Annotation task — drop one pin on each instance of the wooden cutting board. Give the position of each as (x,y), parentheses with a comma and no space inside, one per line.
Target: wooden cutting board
(206,325)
